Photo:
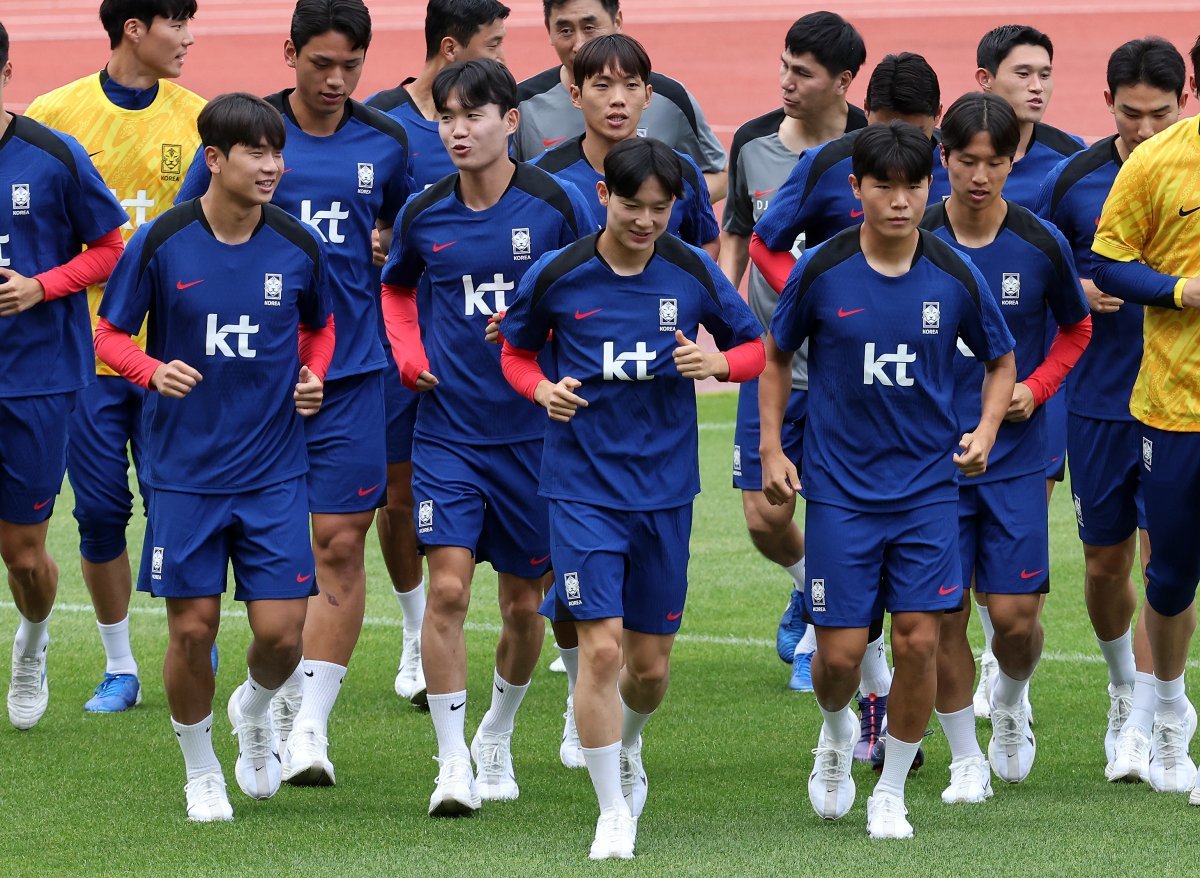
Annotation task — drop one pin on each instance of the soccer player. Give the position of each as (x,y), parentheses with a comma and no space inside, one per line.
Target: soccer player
(1147,252)
(59,203)
(1003,530)
(139,128)
(821,56)
(612,87)
(477,446)
(548,115)
(1145,94)
(347,172)
(230,283)
(621,469)
(882,307)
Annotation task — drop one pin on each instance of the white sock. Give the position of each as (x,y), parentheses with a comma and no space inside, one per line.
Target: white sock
(604,768)
(32,637)
(1118,655)
(876,676)
(321,684)
(985,619)
(897,760)
(632,724)
(506,698)
(959,728)
(1007,691)
(570,660)
(1145,700)
(808,643)
(196,743)
(840,725)
(1172,697)
(412,607)
(797,573)
(448,713)
(255,698)
(118,654)
(296,677)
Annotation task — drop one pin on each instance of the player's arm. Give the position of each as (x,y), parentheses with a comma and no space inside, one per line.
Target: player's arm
(735,329)
(1000,376)
(734,258)
(404,335)
(780,479)
(195,182)
(19,293)
(524,374)
(1134,281)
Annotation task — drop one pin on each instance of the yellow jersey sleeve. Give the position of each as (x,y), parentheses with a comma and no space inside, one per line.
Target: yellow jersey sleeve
(1126,220)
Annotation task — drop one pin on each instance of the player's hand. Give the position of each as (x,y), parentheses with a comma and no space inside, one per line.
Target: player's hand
(175,379)
(559,400)
(781,481)
(19,293)
(692,362)
(1100,303)
(425,381)
(1021,406)
(378,254)
(493,335)
(975,450)
(310,392)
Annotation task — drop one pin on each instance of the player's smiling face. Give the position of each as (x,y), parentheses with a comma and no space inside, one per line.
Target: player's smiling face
(891,208)
(249,174)
(574,23)
(635,223)
(1025,78)
(163,46)
(807,88)
(1141,112)
(976,172)
(328,68)
(475,137)
(612,103)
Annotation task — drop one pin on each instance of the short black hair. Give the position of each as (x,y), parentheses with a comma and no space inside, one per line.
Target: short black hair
(895,151)
(830,39)
(350,18)
(460,19)
(1149,61)
(612,7)
(114,14)
(3,44)
(904,84)
(240,117)
(981,111)
(999,41)
(615,52)
(477,83)
(632,162)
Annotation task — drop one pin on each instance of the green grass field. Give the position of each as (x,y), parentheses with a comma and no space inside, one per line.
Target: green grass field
(727,755)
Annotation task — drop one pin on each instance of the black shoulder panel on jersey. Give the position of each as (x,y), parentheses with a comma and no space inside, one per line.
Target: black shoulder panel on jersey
(278,101)
(538,84)
(168,224)
(935,216)
(952,262)
(835,251)
(1059,141)
(690,174)
(425,200)
(293,230)
(1029,228)
(568,259)
(1081,164)
(38,135)
(390,99)
(673,91)
(762,126)
(830,154)
(563,156)
(541,185)
(678,253)
(380,121)
(855,119)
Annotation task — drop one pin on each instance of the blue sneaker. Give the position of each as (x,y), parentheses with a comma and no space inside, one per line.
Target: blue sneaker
(879,753)
(871,712)
(115,693)
(791,627)
(216,658)
(802,673)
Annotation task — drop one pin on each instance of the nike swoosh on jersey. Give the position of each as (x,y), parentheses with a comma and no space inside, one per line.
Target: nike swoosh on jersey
(855,214)
(438,248)
(585,314)
(536,561)
(759,193)
(363,492)
(38,507)
(1189,212)
(180,285)
(301,578)
(671,617)
(842,312)
(1025,574)
(550,143)
(942,590)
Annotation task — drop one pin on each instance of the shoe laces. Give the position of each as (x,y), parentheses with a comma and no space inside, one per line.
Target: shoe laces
(631,765)
(1119,709)
(1132,741)
(255,738)
(1168,739)
(27,675)
(968,771)
(494,755)
(832,765)
(452,768)
(306,737)
(110,685)
(285,705)
(888,807)
(410,654)
(1008,726)
(206,791)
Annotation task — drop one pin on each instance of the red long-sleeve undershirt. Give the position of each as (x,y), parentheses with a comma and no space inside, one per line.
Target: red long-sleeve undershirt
(91,266)
(774,266)
(1066,349)
(404,332)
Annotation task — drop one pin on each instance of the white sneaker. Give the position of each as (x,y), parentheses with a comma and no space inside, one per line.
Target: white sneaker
(455,794)
(410,676)
(306,758)
(285,704)
(206,799)
(1131,761)
(570,752)
(887,817)
(1120,705)
(1171,769)
(1194,796)
(634,785)
(970,781)
(982,700)
(258,770)
(558,666)
(495,778)
(830,786)
(1012,748)
(28,691)
(616,834)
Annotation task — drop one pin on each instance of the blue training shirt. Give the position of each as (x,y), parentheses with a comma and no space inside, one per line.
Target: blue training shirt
(1048,147)
(634,447)
(428,160)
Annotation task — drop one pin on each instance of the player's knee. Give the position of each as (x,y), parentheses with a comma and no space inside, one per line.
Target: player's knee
(916,644)
(521,609)
(840,664)
(448,595)
(1017,632)
(649,674)
(1167,600)
(1108,571)
(340,548)
(280,641)
(193,636)
(23,550)
(603,657)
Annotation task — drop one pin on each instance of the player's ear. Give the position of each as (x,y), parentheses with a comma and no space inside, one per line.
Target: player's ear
(290,53)
(945,156)
(449,48)
(1111,102)
(618,21)
(211,159)
(649,94)
(1183,99)
(511,119)
(602,192)
(134,29)
(843,81)
(983,78)
(576,95)
(854,187)
(6,75)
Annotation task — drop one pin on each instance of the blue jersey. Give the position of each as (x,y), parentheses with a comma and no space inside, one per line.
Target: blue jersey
(635,445)
(816,200)
(428,160)
(881,430)
(341,185)
(1030,272)
(1047,148)
(471,262)
(692,217)
(54,203)
(1072,196)
(230,311)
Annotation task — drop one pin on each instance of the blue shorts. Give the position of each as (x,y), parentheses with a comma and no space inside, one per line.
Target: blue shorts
(1055,416)
(615,564)
(1106,478)
(483,498)
(191,539)
(1171,488)
(400,403)
(747,466)
(1003,535)
(347,455)
(107,418)
(33,454)
(862,563)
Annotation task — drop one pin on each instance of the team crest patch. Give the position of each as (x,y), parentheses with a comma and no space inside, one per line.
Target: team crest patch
(1147,451)
(668,315)
(425,517)
(737,460)
(156,562)
(571,586)
(931,318)
(172,161)
(816,589)
(522,244)
(642,132)
(1010,288)
(20,199)
(273,290)
(366,178)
